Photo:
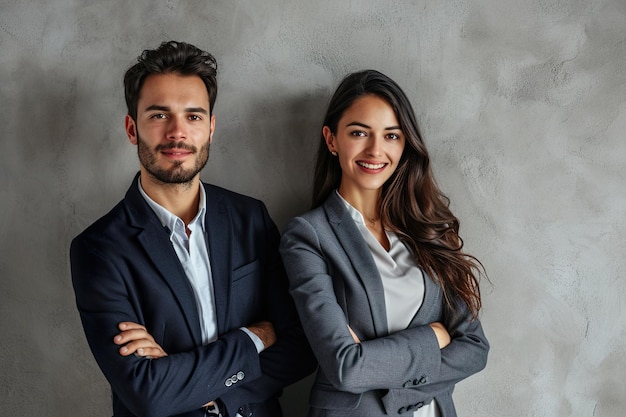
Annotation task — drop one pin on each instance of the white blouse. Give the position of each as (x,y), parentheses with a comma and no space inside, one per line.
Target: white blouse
(403,284)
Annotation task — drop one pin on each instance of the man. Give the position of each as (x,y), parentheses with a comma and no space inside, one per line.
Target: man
(180,287)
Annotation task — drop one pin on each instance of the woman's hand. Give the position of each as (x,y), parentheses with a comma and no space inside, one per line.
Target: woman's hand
(354,336)
(443,337)
(134,338)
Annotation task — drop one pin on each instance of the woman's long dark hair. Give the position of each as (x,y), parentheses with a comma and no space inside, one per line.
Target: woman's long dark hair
(412,205)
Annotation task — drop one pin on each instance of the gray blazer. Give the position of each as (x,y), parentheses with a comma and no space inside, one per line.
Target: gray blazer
(335,283)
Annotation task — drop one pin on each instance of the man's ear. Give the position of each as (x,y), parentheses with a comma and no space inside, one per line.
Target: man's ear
(131,129)
(212,129)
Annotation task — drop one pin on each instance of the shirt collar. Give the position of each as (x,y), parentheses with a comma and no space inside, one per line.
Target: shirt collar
(354,213)
(170,220)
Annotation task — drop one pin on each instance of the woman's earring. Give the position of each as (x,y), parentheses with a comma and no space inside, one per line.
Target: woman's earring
(333,153)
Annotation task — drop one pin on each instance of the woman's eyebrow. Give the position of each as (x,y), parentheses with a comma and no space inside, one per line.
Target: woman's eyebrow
(363,125)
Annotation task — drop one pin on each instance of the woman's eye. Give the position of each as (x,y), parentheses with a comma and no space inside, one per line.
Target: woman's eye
(393,136)
(359,133)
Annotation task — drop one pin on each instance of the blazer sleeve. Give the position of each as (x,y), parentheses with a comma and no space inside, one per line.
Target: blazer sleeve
(406,361)
(464,356)
(290,358)
(166,386)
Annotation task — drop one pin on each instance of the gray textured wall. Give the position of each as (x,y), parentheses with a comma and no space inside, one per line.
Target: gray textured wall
(523,107)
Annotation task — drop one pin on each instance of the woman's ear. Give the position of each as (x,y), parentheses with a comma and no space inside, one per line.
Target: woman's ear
(329,137)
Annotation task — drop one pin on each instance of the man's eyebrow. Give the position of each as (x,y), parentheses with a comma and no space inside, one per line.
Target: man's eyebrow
(196,110)
(157,107)
(363,125)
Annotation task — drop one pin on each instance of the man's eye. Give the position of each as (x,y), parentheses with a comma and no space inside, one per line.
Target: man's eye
(158,116)
(195,117)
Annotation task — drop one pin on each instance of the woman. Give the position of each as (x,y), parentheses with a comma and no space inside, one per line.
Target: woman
(388,300)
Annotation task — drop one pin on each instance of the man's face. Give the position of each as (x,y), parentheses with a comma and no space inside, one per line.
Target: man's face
(174,129)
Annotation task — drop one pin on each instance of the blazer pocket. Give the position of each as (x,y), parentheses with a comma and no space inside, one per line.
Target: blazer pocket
(248,297)
(247,269)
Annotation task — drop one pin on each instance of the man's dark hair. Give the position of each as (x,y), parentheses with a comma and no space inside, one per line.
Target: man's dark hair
(170,57)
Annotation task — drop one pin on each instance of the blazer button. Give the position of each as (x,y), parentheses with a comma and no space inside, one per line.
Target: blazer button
(245,411)
(402,410)
(240,376)
(228,382)
(422,380)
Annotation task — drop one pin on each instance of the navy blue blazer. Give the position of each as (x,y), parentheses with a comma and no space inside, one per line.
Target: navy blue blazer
(124,268)
(335,283)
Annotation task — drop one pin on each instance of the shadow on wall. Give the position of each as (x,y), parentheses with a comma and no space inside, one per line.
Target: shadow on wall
(265,147)
(297,149)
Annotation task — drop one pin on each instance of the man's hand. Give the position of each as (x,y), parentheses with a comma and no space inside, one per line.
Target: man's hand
(265,331)
(134,338)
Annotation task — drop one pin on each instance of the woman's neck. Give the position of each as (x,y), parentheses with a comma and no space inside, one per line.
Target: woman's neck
(367,203)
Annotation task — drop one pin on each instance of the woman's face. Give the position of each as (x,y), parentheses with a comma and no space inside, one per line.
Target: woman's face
(369,144)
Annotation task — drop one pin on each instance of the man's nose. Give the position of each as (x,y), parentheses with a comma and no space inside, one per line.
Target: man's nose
(176,129)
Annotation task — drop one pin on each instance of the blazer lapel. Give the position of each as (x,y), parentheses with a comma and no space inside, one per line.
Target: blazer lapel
(156,242)
(360,257)
(432,300)
(218,236)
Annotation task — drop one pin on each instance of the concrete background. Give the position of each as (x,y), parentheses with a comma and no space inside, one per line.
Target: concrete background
(522,105)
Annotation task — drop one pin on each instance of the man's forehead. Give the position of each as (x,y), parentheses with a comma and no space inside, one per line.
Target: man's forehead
(165,89)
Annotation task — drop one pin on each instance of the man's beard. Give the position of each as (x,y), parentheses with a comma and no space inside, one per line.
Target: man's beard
(176,174)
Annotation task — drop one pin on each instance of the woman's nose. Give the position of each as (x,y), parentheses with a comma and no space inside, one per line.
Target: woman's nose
(375,146)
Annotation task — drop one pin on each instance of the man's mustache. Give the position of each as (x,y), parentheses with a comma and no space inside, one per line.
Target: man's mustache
(176,145)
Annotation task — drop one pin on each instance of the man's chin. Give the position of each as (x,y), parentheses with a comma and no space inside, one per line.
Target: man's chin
(173,176)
